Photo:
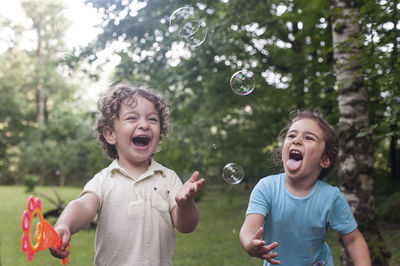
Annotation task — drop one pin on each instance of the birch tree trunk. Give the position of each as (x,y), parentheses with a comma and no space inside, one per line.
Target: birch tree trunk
(356,171)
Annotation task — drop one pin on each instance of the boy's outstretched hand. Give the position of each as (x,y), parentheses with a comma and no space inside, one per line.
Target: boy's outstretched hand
(65,236)
(185,215)
(189,190)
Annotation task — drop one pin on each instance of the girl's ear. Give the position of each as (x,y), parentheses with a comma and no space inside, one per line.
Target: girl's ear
(325,161)
(109,135)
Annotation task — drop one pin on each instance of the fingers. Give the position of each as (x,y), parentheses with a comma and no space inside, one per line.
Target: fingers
(190,189)
(195,176)
(272,246)
(262,251)
(269,255)
(259,233)
(195,184)
(65,238)
(59,253)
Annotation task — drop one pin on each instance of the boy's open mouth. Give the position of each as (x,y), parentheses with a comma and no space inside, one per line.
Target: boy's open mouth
(141,141)
(295,159)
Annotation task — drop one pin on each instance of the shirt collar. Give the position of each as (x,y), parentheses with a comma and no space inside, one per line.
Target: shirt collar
(154,168)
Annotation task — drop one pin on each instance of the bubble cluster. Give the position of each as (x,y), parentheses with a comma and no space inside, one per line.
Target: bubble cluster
(186,24)
(232,173)
(242,82)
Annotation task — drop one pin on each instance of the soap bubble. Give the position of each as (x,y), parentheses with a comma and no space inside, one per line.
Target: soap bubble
(232,173)
(189,28)
(185,23)
(196,38)
(242,82)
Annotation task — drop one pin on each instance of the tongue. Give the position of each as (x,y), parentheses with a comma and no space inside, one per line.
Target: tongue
(293,165)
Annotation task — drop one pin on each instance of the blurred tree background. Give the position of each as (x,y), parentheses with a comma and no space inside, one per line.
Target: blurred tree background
(46,130)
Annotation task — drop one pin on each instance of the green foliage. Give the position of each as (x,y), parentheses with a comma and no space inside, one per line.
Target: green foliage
(42,129)
(290,71)
(389,209)
(30,182)
(289,52)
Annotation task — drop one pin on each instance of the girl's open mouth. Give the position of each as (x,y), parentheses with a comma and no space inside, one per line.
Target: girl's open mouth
(295,159)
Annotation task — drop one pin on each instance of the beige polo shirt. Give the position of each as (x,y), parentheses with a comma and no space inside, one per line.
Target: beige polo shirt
(134,222)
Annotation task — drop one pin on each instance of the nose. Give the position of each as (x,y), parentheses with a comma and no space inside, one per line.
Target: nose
(143,124)
(297,140)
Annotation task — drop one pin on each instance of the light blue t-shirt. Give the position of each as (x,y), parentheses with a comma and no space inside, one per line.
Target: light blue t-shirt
(300,224)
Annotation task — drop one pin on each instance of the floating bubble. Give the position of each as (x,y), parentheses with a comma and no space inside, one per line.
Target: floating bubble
(197,38)
(232,173)
(182,20)
(185,23)
(242,82)
(214,146)
(189,28)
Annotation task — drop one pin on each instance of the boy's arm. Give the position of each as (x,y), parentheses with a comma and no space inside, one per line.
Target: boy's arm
(185,215)
(76,216)
(357,248)
(252,242)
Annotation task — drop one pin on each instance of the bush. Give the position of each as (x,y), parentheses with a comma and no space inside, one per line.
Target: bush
(30,182)
(389,210)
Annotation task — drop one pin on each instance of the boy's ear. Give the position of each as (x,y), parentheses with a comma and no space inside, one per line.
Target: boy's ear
(325,161)
(109,135)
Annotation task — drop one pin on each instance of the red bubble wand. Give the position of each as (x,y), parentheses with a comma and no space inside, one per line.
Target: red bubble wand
(45,235)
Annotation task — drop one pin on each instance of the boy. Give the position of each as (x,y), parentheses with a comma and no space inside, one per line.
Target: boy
(137,200)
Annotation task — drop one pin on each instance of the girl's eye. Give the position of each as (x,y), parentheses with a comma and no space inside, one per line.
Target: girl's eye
(309,138)
(131,117)
(291,136)
(153,119)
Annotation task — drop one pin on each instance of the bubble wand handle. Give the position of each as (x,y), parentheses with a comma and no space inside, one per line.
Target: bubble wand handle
(45,236)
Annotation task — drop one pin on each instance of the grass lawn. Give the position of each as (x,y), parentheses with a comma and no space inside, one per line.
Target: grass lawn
(13,203)
(215,241)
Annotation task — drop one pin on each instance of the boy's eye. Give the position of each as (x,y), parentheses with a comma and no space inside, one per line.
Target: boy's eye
(153,119)
(131,118)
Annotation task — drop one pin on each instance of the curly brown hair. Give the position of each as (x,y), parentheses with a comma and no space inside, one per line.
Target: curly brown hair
(110,104)
(330,136)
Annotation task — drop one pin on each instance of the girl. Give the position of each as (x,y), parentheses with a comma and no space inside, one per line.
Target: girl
(292,211)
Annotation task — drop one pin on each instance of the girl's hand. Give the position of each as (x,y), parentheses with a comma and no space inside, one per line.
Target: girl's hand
(257,248)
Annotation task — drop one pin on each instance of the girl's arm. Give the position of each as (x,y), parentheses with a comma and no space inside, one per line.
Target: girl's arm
(252,242)
(185,215)
(76,216)
(357,248)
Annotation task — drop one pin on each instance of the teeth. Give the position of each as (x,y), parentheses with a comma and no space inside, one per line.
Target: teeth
(295,155)
(141,140)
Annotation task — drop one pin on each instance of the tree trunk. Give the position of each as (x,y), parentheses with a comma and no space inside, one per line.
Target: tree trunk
(39,99)
(355,171)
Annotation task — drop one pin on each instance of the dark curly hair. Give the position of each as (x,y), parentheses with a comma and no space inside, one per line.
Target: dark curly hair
(330,136)
(110,104)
